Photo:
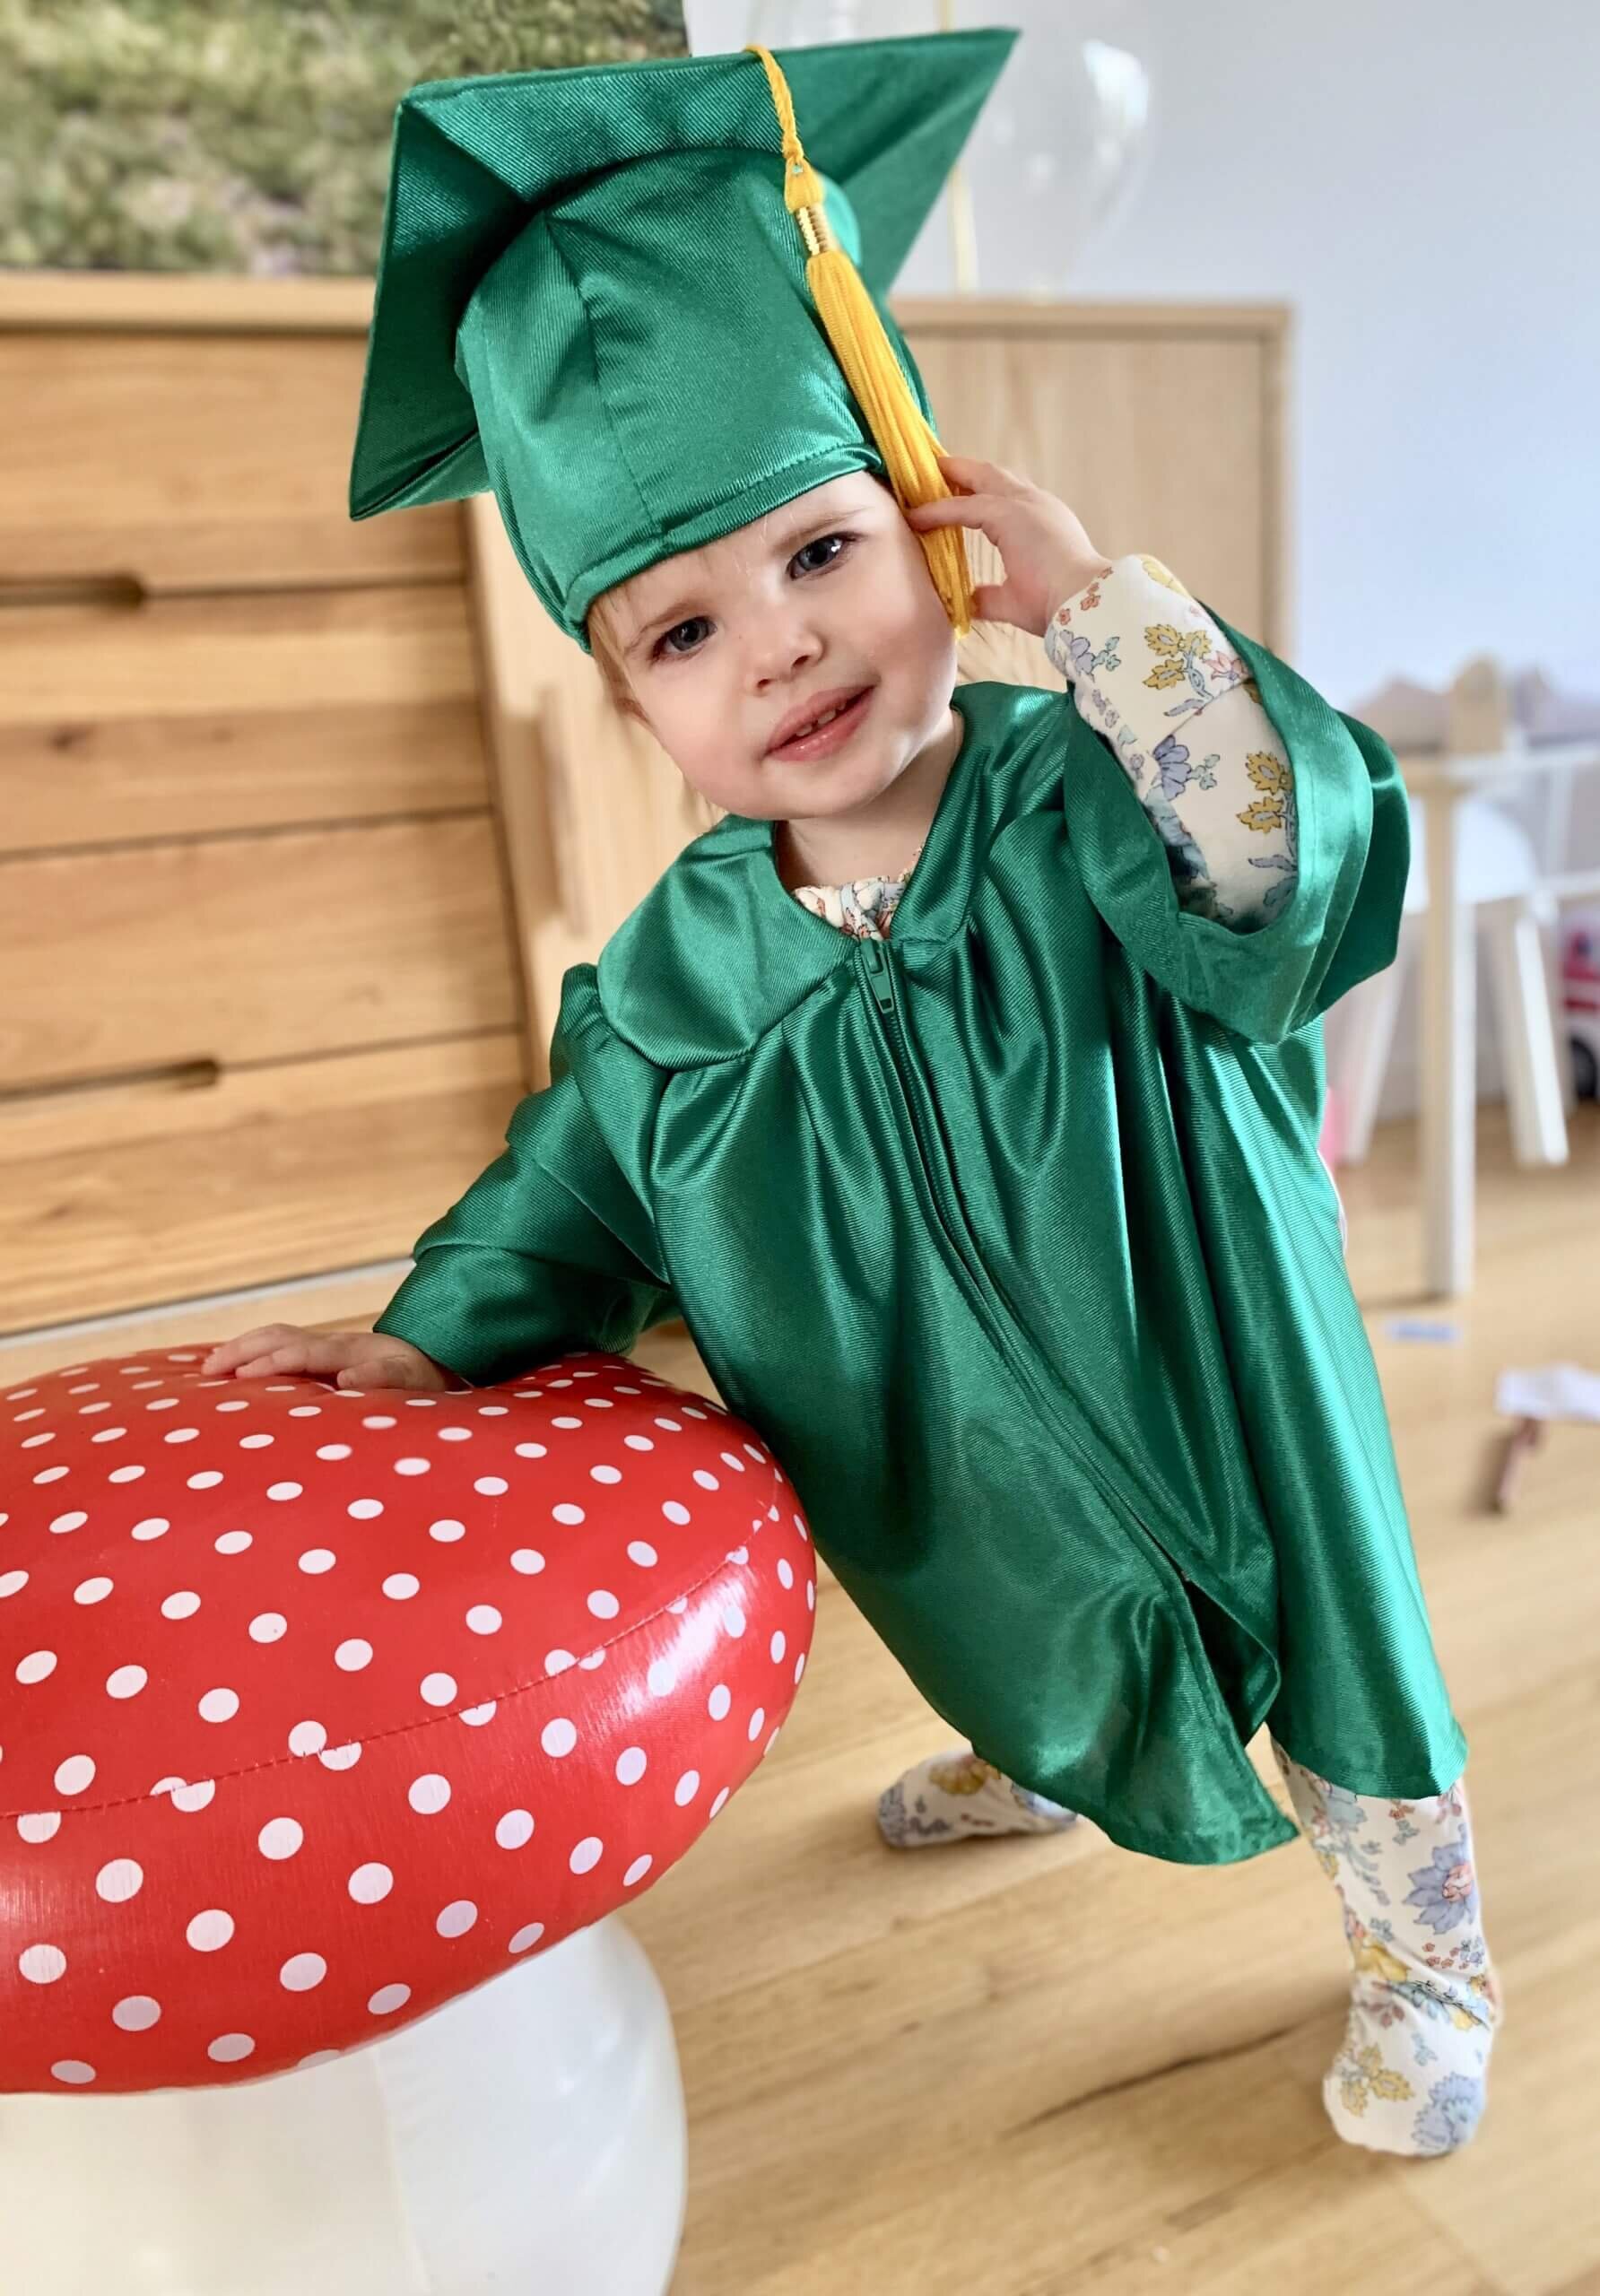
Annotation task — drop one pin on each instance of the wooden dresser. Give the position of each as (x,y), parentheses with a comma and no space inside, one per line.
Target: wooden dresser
(302,819)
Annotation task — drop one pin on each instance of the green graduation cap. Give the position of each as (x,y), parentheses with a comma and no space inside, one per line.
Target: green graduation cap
(594,298)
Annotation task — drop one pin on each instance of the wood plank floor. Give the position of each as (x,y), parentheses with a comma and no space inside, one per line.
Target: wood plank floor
(1040,2067)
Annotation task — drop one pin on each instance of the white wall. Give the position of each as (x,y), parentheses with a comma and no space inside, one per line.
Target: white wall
(1422,183)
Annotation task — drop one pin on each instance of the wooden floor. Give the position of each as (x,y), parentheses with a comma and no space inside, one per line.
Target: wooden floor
(1031,2067)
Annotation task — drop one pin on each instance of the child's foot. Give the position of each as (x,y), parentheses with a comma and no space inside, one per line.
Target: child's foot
(957,1793)
(1410,2075)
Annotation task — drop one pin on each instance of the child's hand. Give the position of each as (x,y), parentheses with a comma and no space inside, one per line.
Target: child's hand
(357,1359)
(1048,555)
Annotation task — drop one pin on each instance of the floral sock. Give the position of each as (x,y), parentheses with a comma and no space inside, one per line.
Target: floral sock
(1409,2076)
(954,1794)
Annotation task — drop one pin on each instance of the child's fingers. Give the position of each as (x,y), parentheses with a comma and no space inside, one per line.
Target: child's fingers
(979,510)
(979,476)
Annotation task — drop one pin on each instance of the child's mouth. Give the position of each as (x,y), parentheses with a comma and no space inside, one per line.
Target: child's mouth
(829,737)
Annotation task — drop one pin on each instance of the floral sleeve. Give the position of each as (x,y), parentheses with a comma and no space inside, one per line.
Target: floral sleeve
(1149,669)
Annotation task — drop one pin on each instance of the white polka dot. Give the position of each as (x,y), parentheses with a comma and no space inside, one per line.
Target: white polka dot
(183,1605)
(284,1490)
(55,1475)
(40,1825)
(557,1737)
(400,1586)
(91,1590)
(345,1757)
(428,1793)
(135,2012)
(12,1582)
(333,1451)
(528,1560)
(631,1765)
(556,1661)
(524,1938)
(728,1460)
(42,1964)
(352,1655)
(566,1422)
(717,1804)
(602,1604)
(37,1666)
(316,1560)
(453,1434)
(370,1884)
(118,1475)
(268,1626)
(119,1880)
(412,1466)
(218,1706)
(515,1828)
(756,1721)
(705,1480)
(588,1855)
(799,1666)
(457,1919)
(364,1510)
(75,1775)
(280,1838)
(210,1930)
(474,1717)
(663,1677)
(605,1475)
(674,1511)
(301,1971)
(777,1648)
(196,1797)
(719,1701)
(641,1552)
(230,2049)
(484,1619)
(639,1442)
(591,1659)
(446,1532)
(439,1690)
(69,1522)
(306,1738)
(672,1426)
(388,1998)
(531,1451)
(154,1526)
(491,1486)
(733,1621)
(636,1871)
(686,1788)
(72,2071)
(567,1512)
(785,1577)
(378,1419)
(233,1543)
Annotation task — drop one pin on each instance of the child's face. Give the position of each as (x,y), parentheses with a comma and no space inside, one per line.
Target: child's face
(826,599)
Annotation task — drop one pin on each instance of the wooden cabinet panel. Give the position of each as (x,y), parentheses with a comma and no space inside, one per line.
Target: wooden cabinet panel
(239,950)
(184,716)
(1157,446)
(119,1199)
(194,460)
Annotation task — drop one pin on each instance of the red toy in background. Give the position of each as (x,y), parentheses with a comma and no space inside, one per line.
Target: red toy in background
(319,1707)
(1581,1000)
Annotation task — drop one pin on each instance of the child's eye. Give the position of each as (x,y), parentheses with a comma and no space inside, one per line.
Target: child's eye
(665,643)
(822,543)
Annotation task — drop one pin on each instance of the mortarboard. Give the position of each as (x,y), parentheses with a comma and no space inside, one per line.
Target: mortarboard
(593,299)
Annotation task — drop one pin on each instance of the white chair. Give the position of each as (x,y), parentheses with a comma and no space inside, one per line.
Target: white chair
(1510,883)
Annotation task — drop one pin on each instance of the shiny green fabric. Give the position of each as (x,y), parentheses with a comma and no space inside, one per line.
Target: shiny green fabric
(1011,1236)
(592,298)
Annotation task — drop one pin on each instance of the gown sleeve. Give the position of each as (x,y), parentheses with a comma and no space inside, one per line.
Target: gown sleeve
(551,1249)
(1308,798)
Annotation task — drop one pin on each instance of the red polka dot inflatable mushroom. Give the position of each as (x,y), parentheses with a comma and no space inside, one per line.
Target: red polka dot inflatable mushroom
(318,1709)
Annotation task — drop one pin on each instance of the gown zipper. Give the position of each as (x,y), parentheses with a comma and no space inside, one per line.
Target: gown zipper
(878,965)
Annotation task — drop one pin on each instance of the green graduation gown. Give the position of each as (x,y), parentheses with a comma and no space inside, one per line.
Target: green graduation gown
(1010,1235)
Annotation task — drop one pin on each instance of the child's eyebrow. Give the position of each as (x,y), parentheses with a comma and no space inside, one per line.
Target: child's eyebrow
(784,545)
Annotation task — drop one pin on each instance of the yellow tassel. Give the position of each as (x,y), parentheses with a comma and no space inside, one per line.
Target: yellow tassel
(866,357)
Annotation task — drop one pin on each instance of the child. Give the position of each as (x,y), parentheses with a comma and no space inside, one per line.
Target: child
(960,1088)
